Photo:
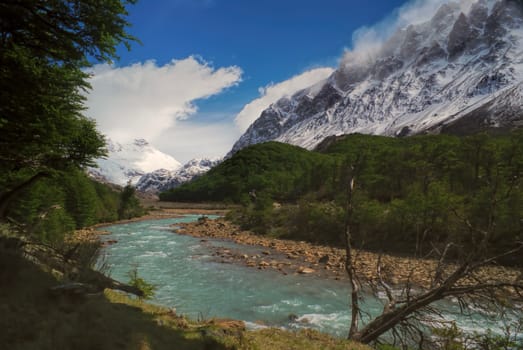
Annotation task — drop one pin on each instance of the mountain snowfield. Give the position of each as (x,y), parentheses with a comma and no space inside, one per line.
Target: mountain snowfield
(129,161)
(163,179)
(459,72)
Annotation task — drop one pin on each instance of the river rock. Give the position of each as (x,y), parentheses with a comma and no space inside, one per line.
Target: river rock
(305,270)
(324,259)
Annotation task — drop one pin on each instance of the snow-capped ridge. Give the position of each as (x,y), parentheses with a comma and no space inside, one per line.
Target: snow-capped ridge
(129,161)
(464,62)
(162,179)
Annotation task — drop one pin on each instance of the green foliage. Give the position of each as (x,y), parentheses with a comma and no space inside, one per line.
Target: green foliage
(449,338)
(453,338)
(491,341)
(41,211)
(81,198)
(319,222)
(273,169)
(129,206)
(138,282)
(45,47)
(106,208)
(410,193)
(51,208)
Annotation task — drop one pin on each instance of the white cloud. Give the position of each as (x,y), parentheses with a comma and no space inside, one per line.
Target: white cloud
(367,41)
(274,92)
(143,99)
(187,140)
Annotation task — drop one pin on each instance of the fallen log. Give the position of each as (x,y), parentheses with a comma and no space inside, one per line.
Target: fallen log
(48,259)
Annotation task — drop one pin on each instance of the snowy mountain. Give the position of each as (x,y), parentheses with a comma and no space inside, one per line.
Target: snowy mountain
(459,72)
(129,161)
(163,180)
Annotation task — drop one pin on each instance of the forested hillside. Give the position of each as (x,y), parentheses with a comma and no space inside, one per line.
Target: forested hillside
(275,170)
(410,193)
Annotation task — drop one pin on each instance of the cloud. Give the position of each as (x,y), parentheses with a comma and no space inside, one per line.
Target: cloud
(367,41)
(143,99)
(273,92)
(187,139)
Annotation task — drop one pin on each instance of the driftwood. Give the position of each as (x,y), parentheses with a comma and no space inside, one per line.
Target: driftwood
(74,289)
(52,260)
(87,289)
(102,281)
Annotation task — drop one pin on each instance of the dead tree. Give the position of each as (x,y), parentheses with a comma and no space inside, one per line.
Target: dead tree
(349,265)
(411,304)
(463,283)
(49,258)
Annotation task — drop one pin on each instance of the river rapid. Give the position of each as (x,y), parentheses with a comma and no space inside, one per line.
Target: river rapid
(189,279)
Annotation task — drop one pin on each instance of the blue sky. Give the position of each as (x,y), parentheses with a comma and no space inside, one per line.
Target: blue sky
(270,40)
(227,54)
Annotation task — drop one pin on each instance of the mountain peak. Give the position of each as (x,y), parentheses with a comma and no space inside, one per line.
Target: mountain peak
(129,161)
(465,60)
(162,179)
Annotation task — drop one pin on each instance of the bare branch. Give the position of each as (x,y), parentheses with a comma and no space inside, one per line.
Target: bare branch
(497,257)
(476,288)
(390,304)
(440,268)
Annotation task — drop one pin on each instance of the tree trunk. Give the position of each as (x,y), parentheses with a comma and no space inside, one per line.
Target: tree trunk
(8,196)
(389,319)
(349,264)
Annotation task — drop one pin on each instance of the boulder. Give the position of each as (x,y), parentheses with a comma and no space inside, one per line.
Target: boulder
(324,259)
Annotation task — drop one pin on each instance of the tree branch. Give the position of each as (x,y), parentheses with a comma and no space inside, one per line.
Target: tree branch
(8,196)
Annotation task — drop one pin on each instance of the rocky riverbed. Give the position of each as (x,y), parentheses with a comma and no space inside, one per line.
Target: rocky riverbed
(301,257)
(298,257)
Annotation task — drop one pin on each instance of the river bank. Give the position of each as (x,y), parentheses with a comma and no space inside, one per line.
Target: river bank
(93,233)
(292,257)
(298,257)
(192,278)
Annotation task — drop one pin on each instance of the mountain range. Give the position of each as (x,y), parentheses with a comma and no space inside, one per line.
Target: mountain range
(163,179)
(129,161)
(460,72)
(145,167)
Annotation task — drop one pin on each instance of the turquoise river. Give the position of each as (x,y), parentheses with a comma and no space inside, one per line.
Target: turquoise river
(189,279)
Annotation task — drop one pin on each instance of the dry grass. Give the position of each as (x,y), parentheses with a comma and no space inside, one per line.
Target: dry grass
(276,339)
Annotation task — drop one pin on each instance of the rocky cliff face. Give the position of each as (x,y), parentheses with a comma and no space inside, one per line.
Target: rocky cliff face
(163,180)
(461,71)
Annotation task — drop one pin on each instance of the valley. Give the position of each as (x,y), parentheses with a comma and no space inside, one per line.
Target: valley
(261,175)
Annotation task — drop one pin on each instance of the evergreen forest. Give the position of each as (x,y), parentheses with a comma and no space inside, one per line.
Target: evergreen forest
(410,193)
